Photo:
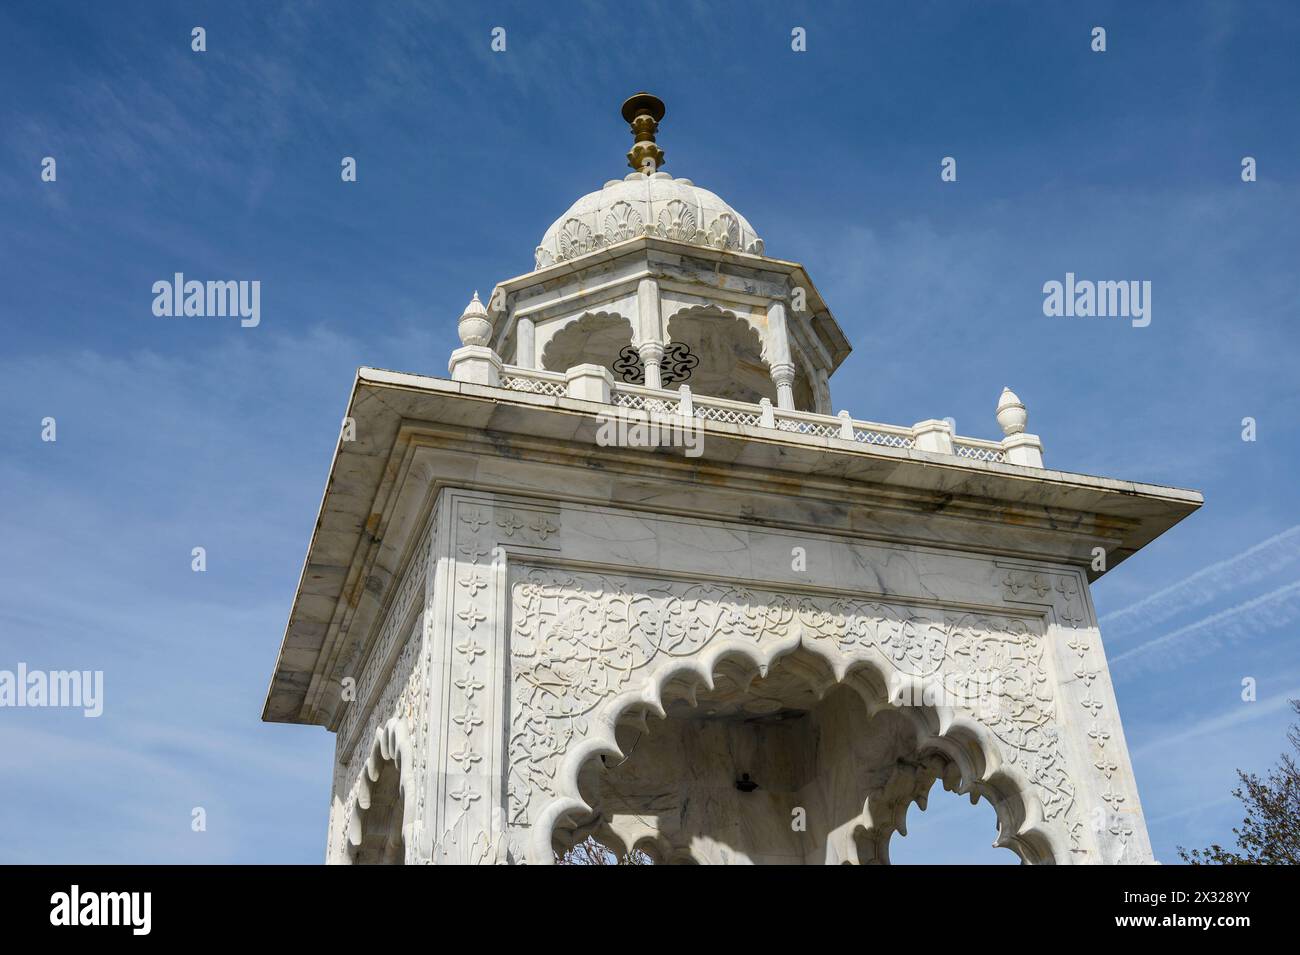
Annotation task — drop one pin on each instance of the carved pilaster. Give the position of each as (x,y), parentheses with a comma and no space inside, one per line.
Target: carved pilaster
(469,664)
(1111,826)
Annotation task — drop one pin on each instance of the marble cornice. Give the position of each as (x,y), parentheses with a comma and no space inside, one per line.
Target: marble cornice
(417,435)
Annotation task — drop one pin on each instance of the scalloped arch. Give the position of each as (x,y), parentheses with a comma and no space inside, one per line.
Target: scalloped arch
(569,340)
(744,361)
(712,311)
(969,758)
(733,351)
(390,746)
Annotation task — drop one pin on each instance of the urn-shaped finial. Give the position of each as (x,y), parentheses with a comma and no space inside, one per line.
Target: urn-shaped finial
(1012,415)
(474,328)
(643,113)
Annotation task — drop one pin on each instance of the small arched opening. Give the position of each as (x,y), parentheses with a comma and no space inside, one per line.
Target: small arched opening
(731,360)
(596,339)
(779,763)
(376,829)
(950,829)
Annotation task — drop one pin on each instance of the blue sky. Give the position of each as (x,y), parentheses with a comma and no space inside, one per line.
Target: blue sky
(176,433)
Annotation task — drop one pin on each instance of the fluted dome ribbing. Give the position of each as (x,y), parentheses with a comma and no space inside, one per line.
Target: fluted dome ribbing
(656,205)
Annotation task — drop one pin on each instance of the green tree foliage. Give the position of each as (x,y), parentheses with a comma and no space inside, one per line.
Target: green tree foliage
(1270,833)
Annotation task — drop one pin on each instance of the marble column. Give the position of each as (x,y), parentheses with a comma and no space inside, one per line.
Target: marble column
(525,337)
(652,353)
(650,333)
(782,366)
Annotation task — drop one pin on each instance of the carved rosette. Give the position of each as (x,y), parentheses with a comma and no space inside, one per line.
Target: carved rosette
(579,639)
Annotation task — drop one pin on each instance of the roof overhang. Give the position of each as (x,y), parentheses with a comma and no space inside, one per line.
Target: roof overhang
(416,435)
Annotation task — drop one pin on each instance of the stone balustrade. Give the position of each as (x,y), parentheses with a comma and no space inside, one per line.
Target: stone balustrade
(596,383)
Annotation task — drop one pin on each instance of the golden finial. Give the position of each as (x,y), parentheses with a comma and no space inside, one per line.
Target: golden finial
(643,112)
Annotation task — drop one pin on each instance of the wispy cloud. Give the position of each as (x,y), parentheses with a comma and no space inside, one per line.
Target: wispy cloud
(1254,617)
(1225,721)
(1205,586)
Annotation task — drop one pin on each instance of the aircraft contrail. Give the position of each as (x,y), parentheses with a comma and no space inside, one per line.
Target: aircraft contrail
(1204,586)
(1267,612)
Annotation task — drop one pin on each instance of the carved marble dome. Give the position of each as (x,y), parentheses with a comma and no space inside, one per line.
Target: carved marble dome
(640,204)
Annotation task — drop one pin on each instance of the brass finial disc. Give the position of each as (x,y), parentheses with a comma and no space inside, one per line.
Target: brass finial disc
(643,103)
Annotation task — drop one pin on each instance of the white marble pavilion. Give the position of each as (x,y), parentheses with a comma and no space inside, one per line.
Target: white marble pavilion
(761,643)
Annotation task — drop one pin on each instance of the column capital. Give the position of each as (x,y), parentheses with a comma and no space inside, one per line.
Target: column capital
(652,353)
(783,378)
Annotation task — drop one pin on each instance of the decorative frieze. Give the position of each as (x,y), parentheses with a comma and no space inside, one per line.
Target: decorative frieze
(468,650)
(580,639)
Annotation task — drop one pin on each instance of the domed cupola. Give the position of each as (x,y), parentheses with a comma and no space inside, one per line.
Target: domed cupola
(647,202)
(662,283)
(654,205)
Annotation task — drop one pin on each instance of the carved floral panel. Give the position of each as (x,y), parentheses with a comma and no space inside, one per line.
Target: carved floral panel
(579,639)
